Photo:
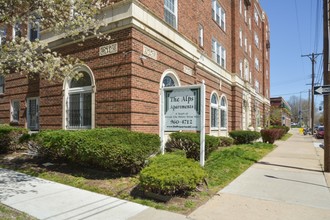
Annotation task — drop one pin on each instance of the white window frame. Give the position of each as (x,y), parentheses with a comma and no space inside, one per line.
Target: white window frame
(223,112)
(79,90)
(219,14)
(201,35)
(241,38)
(214,107)
(219,53)
(240,6)
(13,110)
(174,13)
(245,44)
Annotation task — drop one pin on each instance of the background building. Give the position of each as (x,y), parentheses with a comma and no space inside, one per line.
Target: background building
(280,112)
(154,43)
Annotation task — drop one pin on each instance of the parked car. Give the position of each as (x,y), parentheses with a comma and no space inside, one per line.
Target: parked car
(320,132)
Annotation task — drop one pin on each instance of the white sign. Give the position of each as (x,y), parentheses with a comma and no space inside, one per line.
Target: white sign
(108,49)
(149,52)
(182,110)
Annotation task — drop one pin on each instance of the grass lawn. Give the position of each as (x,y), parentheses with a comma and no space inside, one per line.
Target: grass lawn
(7,213)
(286,137)
(222,167)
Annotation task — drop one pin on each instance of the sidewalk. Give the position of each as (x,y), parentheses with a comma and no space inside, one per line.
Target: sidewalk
(286,184)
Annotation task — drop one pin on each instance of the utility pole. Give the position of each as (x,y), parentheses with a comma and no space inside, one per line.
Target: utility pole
(326,78)
(309,109)
(312,57)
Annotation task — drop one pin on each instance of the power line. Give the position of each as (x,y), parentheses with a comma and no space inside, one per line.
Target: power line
(294,93)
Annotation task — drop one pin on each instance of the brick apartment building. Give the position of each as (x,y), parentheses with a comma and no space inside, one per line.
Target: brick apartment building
(224,43)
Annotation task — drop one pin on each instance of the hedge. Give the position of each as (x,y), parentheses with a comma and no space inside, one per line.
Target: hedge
(226,141)
(11,138)
(171,174)
(109,148)
(190,143)
(244,137)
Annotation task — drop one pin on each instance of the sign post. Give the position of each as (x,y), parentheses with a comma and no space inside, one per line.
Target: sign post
(183,109)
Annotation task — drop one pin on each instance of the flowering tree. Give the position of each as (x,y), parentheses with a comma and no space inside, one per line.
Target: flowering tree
(70,18)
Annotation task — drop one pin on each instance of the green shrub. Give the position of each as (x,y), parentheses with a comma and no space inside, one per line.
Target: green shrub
(270,135)
(171,174)
(11,138)
(190,143)
(244,137)
(110,148)
(226,141)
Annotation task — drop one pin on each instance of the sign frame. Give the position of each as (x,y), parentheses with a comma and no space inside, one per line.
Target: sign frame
(201,102)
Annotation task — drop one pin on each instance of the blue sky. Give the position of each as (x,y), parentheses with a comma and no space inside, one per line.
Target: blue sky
(295,30)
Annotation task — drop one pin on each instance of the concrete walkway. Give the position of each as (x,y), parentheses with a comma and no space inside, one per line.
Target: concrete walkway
(286,184)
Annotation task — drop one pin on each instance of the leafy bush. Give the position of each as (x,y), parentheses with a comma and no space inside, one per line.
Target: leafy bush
(190,143)
(226,141)
(244,137)
(111,148)
(171,174)
(270,135)
(11,138)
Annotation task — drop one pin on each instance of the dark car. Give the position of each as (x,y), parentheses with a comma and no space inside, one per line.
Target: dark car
(320,132)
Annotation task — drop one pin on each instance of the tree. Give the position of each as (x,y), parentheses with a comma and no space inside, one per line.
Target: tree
(71,18)
(299,109)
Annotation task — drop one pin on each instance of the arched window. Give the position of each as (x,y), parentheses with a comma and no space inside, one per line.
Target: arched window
(223,113)
(79,102)
(169,78)
(214,112)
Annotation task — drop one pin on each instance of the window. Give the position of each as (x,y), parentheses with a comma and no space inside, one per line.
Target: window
(245,44)
(241,38)
(33,31)
(256,16)
(168,81)
(218,14)
(246,70)
(79,103)
(240,6)
(170,12)
(3,35)
(223,113)
(14,111)
(257,87)
(241,68)
(256,39)
(214,112)
(218,53)
(256,63)
(250,50)
(17,31)
(2,84)
(201,35)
